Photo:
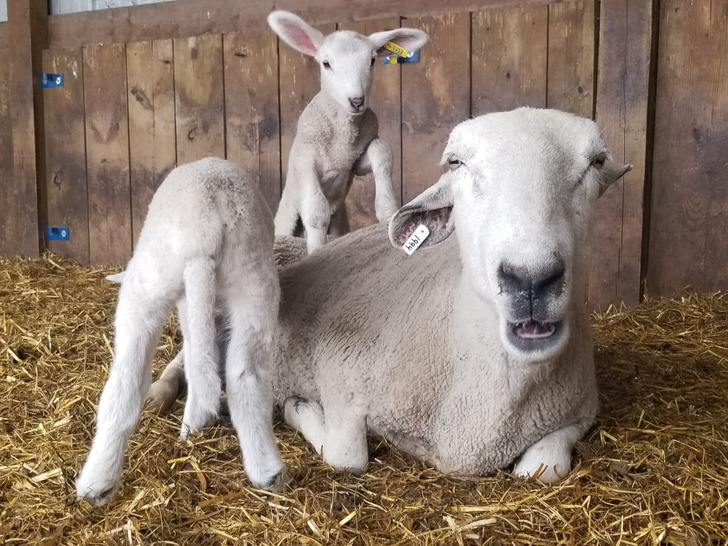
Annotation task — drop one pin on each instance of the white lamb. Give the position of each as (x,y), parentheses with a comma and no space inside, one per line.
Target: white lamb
(337,134)
(472,353)
(206,246)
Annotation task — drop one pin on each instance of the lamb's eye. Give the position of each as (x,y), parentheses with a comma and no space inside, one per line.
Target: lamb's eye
(453,162)
(373,59)
(327,65)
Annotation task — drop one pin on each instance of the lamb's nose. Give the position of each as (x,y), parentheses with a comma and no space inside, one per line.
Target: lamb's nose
(356,102)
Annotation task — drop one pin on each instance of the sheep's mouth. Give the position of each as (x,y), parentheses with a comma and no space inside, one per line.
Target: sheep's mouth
(533,335)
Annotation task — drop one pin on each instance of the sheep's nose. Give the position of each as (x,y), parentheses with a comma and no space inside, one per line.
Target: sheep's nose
(524,282)
(356,102)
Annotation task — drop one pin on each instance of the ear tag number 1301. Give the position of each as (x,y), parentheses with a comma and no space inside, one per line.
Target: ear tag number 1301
(416,239)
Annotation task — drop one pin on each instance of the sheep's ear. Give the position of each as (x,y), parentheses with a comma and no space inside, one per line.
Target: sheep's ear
(610,172)
(116,277)
(296,32)
(411,39)
(433,208)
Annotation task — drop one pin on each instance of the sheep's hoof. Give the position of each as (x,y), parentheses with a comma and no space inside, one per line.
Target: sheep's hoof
(277,481)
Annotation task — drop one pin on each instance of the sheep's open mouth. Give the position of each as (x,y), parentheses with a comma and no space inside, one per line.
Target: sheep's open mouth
(532,329)
(532,335)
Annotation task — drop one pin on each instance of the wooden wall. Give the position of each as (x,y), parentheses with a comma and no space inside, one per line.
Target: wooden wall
(152,86)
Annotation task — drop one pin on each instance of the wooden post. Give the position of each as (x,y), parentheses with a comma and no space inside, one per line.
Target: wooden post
(27,36)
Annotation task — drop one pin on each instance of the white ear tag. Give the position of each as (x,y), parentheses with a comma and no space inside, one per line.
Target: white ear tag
(416,239)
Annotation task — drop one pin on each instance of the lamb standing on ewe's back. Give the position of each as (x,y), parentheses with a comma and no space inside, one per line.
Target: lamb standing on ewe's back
(337,134)
(207,246)
(476,351)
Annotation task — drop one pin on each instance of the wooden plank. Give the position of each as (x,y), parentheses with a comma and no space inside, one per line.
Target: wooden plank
(622,113)
(689,207)
(435,97)
(571,59)
(385,101)
(67,190)
(26,37)
(3,35)
(7,244)
(252,120)
(183,18)
(152,141)
(199,98)
(509,59)
(299,83)
(107,154)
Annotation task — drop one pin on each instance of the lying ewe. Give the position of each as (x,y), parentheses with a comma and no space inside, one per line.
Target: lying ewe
(337,132)
(476,351)
(206,246)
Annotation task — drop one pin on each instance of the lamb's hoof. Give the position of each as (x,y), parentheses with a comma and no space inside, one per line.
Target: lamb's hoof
(276,482)
(95,492)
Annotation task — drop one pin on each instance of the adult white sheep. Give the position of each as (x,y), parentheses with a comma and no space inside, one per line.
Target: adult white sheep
(472,353)
(206,246)
(337,134)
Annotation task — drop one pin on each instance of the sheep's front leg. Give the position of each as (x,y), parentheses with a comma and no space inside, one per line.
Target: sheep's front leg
(249,389)
(377,159)
(340,439)
(197,320)
(137,327)
(165,390)
(549,459)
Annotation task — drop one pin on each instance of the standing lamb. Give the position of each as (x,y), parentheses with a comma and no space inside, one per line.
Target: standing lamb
(337,132)
(476,351)
(206,246)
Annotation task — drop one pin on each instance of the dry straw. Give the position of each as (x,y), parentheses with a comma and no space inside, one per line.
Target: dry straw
(653,471)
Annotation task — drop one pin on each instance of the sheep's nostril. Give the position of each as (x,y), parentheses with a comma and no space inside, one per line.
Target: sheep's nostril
(520,280)
(356,102)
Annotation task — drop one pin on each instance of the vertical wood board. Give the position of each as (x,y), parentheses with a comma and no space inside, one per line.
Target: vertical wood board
(107,154)
(689,207)
(67,190)
(509,59)
(7,244)
(435,97)
(385,102)
(152,137)
(252,108)
(199,98)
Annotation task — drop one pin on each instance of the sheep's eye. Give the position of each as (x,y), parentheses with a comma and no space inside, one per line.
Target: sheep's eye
(327,65)
(453,163)
(599,161)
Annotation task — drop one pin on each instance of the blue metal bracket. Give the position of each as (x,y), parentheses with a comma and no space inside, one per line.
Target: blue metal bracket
(51,80)
(412,57)
(57,233)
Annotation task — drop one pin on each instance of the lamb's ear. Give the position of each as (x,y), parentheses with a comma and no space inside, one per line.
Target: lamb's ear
(610,172)
(296,32)
(410,39)
(116,277)
(433,208)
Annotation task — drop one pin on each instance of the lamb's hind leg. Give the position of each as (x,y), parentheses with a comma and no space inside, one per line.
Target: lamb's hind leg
(251,321)
(197,319)
(341,439)
(138,324)
(165,390)
(549,459)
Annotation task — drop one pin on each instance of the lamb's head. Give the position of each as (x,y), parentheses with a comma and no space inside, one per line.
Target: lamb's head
(519,192)
(346,58)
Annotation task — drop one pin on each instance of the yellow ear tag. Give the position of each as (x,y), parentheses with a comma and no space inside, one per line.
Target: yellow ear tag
(394,48)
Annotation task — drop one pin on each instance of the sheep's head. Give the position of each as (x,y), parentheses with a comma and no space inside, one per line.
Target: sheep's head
(346,58)
(519,192)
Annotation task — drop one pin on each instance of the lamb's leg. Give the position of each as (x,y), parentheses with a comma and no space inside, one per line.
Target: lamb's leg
(197,319)
(549,459)
(138,324)
(165,390)
(287,213)
(249,391)
(315,215)
(339,222)
(377,159)
(340,439)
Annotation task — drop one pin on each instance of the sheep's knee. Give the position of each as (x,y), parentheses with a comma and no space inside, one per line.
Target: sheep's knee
(307,417)
(549,459)
(163,393)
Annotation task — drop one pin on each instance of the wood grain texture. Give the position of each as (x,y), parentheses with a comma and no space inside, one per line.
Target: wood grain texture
(107,154)
(199,98)
(299,83)
(509,59)
(435,97)
(571,60)
(67,189)
(385,101)
(152,140)
(184,18)
(7,244)
(252,109)
(689,208)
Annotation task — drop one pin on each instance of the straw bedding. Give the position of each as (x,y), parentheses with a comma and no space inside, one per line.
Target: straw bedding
(653,471)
